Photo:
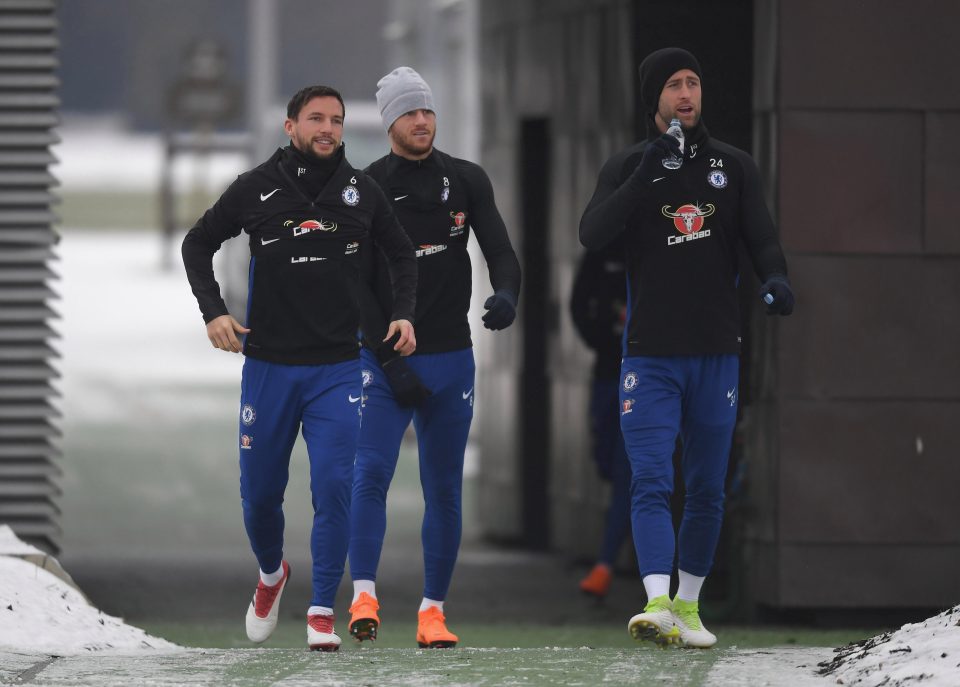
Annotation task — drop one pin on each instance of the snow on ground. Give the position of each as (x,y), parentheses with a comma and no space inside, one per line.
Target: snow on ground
(42,613)
(925,653)
(101,154)
(130,329)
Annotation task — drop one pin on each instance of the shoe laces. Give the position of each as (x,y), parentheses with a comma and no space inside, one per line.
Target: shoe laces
(688,612)
(264,597)
(433,618)
(321,623)
(658,604)
(364,602)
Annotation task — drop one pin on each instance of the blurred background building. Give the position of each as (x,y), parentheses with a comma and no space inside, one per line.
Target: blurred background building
(843,472)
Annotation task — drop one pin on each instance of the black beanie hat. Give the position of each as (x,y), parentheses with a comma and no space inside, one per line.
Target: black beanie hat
(659,66)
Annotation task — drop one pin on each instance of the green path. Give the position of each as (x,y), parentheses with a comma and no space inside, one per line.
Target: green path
(474,667)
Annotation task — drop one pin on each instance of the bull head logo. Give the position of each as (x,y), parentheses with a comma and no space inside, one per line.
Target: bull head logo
(688,219)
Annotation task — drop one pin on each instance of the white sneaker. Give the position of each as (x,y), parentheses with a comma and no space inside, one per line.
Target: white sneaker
(263,610)
(655,624)
(686,616)
(320,633)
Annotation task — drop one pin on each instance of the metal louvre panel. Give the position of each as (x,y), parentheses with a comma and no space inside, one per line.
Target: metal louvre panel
(29,430)
(20,352)
(20,313)
(32,469)
(27,411)
(21,449)
(21,255)
(27,120)
(28,112)
(20,139)
(34,331)
(9,294)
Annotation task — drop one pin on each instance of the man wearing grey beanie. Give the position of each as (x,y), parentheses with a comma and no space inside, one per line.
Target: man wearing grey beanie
(681,212)
(438,199)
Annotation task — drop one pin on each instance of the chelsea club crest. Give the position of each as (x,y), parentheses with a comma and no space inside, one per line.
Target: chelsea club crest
(350,195)
(717,178)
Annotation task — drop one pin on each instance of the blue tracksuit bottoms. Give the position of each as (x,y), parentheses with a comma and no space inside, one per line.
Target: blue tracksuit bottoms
(442,423)
(695,396)
(276,402)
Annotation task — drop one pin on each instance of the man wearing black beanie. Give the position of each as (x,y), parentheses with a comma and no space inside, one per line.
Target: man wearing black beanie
(679,374)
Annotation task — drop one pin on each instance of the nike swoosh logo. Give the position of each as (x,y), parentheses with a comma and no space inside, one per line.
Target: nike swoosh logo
(352,399)
(401,197)
(264,196)
(658,179)
(264,242)
(466,394)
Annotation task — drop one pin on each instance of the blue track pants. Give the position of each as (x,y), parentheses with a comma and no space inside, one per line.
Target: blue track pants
(276,402)
(695,396)
(442,423)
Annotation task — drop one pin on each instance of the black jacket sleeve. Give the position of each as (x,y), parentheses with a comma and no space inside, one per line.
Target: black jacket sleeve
(491,232)
(619,191)
(757,228)
(219,223)
(395,245)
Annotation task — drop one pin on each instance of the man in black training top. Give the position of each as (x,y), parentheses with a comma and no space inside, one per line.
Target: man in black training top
(438,200)
(681,228)
(308,215)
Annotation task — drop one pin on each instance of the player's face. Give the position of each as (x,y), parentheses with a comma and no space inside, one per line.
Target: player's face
(412,134)
(680,98)
(318,128)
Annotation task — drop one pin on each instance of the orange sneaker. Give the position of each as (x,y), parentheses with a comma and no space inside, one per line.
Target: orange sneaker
(597,581)
(432,630)
(364,620)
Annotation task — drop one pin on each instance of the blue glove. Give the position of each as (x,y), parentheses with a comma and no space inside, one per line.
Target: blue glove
(501,310)
(408,390)
(778,295)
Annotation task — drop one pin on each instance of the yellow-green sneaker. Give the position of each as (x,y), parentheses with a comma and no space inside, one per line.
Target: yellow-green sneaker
(686,618)
(656,623)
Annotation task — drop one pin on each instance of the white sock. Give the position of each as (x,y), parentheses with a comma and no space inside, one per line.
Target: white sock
(427,603)
(319,610)
(271,579)
(656,585)
(689,589)
(361,586)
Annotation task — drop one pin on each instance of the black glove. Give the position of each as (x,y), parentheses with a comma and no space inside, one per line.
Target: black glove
(501,310)
(406,386)
(778,295)
(651,164)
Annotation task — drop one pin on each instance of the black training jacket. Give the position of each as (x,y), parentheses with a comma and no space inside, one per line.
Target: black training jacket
(438,200)
(681,231)
(303,303)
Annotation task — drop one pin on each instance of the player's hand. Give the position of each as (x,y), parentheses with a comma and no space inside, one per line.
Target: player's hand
(778,295)
(222,332)
(651,164)
(406,342)
(501,310)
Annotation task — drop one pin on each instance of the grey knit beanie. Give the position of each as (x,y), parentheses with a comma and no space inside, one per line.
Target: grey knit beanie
(402,91)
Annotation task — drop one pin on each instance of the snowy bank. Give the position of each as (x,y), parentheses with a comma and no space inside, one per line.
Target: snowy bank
(926,653)
(41,610)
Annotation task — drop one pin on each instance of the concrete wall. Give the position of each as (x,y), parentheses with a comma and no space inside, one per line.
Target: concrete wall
(853,457)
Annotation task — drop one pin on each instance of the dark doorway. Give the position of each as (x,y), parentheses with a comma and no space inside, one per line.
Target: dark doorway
(534,178)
